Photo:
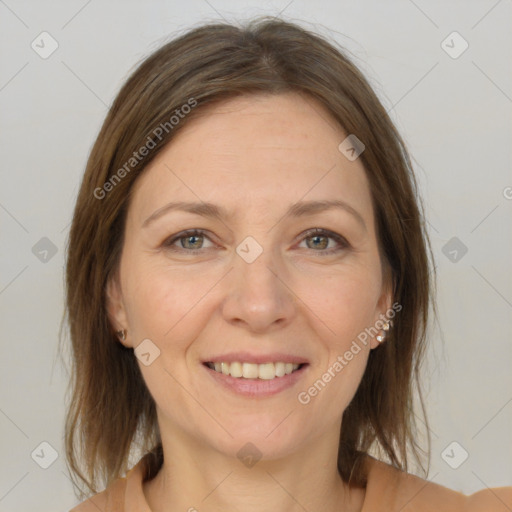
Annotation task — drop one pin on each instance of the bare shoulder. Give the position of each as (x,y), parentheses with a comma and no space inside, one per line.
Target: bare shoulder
(95,503)
(393,490)
(110,500)
(498,499)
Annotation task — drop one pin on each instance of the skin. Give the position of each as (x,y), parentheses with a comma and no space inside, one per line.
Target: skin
(255,156)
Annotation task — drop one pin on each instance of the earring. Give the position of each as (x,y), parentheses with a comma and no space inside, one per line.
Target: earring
(385,328)
(121,334)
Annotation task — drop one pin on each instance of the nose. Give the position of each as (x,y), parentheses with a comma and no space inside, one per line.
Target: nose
(258,297)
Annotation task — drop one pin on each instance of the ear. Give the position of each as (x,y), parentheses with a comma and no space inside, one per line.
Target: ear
(115,307)
(384,305)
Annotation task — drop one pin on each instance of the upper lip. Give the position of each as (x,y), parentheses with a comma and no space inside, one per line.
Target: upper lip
(246,357)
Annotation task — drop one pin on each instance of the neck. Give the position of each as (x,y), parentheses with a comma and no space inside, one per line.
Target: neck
(196,477)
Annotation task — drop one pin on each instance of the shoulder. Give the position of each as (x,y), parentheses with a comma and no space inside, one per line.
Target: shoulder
(392,490)
(498,499)
(124,492)
(93,504)
(110,500)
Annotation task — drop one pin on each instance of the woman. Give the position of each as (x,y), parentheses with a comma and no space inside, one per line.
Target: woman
(248,287)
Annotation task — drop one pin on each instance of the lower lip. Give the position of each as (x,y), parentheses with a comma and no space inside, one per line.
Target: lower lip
(257,388)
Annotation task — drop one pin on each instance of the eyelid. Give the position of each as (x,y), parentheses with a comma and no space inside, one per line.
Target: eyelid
(341,240)
(168,242)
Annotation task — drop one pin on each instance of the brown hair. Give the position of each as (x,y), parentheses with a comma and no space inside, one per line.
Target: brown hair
(110,407)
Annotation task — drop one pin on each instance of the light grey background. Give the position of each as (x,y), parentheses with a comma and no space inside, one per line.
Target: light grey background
(453,112)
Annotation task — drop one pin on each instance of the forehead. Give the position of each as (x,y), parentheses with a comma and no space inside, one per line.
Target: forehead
(253,151)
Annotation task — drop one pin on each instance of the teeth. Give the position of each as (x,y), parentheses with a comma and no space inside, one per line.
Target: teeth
(280,369)
(266,371)
(235,369)
(249,371)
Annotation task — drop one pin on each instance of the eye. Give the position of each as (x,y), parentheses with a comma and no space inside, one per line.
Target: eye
(320,240)
(190,241)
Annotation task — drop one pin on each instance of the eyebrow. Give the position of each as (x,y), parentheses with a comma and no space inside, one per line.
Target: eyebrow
(299,209)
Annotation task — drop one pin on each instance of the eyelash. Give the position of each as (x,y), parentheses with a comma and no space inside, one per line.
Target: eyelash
(308,234)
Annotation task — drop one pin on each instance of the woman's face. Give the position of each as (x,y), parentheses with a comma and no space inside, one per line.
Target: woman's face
(255,284)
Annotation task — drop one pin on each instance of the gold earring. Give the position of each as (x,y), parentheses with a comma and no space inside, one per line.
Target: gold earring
(121,334)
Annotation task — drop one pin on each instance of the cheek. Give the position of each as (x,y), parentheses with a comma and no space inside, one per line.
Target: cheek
(331,387)
(159,299)
(165,306)
(344,304)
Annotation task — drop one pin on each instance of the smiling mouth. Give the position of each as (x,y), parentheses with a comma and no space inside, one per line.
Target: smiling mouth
(265,371)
